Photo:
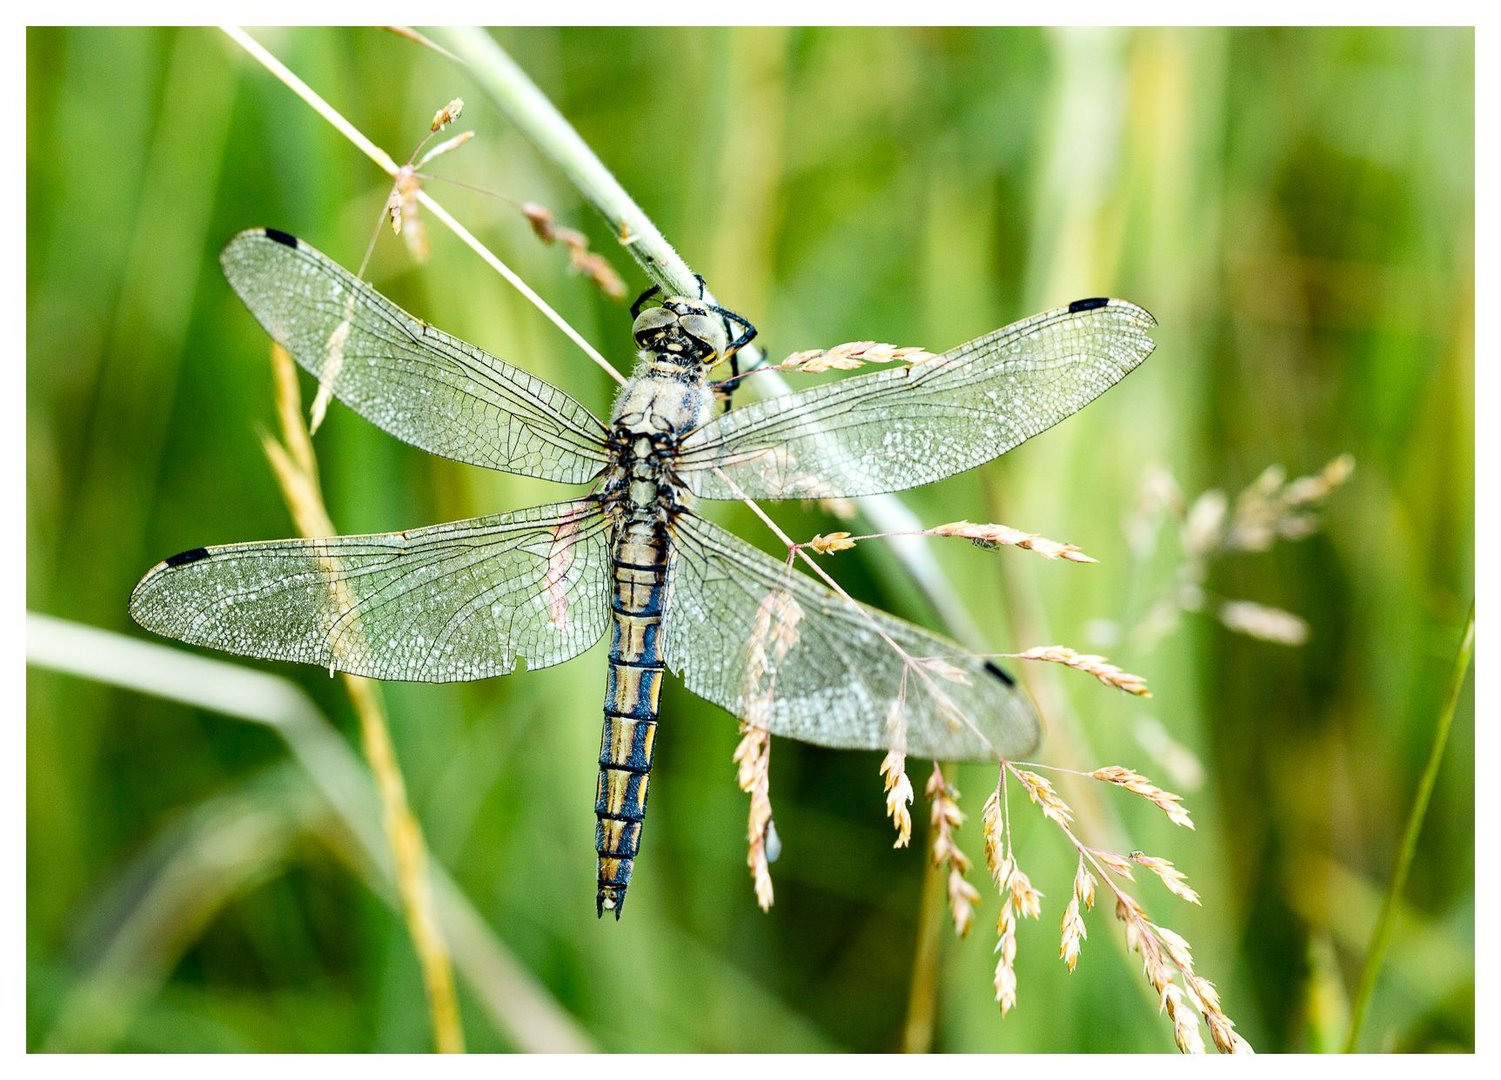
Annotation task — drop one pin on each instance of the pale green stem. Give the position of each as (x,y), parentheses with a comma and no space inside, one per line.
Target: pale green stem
(539,120)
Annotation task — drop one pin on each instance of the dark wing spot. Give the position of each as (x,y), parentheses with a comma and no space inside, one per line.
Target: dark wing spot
(997,671)
(1088,305)
(291,241)
(182,558)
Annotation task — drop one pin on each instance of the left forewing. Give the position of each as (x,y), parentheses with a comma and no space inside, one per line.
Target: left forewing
(784,653)
(903,427)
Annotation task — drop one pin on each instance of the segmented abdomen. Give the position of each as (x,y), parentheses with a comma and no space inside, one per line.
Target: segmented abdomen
(630,728)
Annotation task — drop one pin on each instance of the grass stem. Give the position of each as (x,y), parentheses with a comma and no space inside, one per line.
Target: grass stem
(922,998)
(293,462)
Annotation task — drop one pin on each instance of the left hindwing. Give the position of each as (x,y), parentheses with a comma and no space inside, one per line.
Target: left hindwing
(449,603)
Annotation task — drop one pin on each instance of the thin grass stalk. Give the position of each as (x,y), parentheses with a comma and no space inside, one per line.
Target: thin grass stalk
(295,472)
(1382,936)
(922,996)
(390,168)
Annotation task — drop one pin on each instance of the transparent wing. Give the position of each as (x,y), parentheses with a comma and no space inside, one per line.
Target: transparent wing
(418,383)
(447,603)
(784,653)
(903,427)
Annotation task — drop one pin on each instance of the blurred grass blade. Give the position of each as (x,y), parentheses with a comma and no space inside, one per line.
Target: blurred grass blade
(1382,936)
(165,897)
(518,1005)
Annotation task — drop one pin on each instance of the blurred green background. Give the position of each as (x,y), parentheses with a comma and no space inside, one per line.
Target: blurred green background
(1295,206)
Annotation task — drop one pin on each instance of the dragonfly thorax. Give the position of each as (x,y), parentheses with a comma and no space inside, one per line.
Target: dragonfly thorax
(653,412)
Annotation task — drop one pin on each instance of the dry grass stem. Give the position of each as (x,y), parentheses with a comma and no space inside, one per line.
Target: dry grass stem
(1097,666)
(851,355)
(753,760)
(1169,803)
(413,36)
(946,818)
(294,465)
(994,537)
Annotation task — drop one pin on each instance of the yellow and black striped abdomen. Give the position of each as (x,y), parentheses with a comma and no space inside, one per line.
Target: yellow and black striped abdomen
(630,727)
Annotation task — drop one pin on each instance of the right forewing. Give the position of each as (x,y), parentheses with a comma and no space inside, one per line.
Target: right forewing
(898,428)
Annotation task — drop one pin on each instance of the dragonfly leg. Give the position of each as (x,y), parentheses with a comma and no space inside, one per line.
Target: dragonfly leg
(643,298)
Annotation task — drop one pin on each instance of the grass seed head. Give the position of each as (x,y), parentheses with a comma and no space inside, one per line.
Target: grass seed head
(1042,793)
(898,795)
(833,542)
(1134,782)
(994,537)
(1090,664)
(1263,623)
(448,114)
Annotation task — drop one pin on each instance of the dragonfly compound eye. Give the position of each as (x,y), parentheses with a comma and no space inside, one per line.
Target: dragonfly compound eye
(707,331)
(652,325)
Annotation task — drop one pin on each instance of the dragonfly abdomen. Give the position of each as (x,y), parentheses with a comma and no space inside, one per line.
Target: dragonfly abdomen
(630,726)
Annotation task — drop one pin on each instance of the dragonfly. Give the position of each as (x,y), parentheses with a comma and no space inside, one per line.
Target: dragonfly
(476,598)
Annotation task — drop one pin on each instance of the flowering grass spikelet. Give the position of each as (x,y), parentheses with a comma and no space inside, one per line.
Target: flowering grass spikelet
(1041,792)
(994,537)
(1097,666)
(946,817)
(447,115)
(1073,934)
(833,542)
(1166,801)
(937,665)
(1117,863)
(1263,623)
(852,355)
(898,795)
(752,758)
(581,259)
(1175,880)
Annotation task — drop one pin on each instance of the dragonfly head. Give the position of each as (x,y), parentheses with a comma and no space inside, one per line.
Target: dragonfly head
(683,329)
